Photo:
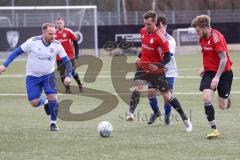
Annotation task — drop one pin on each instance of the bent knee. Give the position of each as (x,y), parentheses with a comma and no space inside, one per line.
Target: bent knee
(207,99)
(52,97)
(34,102)
(152,93)
(167,95)
(222,105)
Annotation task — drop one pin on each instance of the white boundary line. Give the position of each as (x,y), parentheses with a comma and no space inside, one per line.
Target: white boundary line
(180,77)
(47,7)
(82,94)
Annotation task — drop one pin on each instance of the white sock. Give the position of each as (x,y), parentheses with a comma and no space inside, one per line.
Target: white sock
(53,122)
(46,101)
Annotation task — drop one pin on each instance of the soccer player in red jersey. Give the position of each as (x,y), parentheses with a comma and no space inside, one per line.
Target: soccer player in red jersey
(216,72)
(68,39)
(155,55)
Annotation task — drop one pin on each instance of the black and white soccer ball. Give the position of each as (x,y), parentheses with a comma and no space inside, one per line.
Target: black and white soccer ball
(104,129)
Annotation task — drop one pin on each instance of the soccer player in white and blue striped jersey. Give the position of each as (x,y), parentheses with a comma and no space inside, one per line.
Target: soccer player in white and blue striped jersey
(171,74)
(42,51)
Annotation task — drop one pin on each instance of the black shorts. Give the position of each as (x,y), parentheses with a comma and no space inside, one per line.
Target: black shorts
(224,85)
(157,80)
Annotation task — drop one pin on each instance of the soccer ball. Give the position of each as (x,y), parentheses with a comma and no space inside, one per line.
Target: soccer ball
(104,129)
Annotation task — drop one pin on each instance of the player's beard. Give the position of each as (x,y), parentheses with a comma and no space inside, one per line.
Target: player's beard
(204,35)
(150,30)
(60,28)
(51,39)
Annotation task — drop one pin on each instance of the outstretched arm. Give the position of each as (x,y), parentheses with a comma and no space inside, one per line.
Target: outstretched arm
(10,58)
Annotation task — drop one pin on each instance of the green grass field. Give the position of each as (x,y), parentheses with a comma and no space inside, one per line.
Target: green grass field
(24,130)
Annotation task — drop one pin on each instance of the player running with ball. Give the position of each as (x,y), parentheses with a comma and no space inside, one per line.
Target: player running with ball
(154,43)
(42,51)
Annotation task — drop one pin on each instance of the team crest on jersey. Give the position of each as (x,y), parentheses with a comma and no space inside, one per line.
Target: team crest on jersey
(51,50)
(142,36)
(12,38)
(64,35)
(151,40)
(208,42)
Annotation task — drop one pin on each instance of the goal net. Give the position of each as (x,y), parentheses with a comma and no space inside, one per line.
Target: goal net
(187,41)
(21,23)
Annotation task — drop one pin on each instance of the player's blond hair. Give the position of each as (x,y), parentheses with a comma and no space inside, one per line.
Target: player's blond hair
(46,25)
(201,21)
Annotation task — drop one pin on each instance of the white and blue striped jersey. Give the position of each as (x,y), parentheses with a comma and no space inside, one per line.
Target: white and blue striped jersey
(41,57)
(172,65)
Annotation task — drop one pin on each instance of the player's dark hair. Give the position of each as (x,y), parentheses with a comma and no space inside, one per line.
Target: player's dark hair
(201,21)
(161,19)
(150,14)
(59,18)
(46,25)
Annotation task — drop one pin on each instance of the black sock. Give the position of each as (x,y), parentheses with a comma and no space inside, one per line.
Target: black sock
(62,79)
(77,79)
(68,87)
(177,106)
(134,101)
(209,111)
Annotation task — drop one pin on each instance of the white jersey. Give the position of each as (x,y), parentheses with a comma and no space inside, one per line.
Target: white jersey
(41,57)
(171,66)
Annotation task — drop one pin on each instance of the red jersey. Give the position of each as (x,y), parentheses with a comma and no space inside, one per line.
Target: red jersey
(211,47)
(153,47)
(66,37)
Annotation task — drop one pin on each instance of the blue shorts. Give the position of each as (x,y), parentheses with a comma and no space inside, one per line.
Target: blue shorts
(35,85)
(170,82)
